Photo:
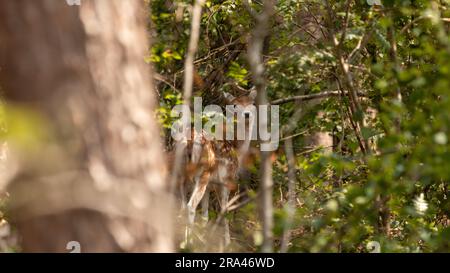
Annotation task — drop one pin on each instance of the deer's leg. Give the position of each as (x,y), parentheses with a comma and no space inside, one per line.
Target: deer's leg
(224,177)
(205,207)
(197,195)
(225,194)
(183,196)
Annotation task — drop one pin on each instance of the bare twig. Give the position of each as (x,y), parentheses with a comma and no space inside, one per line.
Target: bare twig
(361,44)
(294,135)
(161,78)
(289,150)
(188,85)
(230,206)
(406,27)
(321,95)
(355,106)
(393,56)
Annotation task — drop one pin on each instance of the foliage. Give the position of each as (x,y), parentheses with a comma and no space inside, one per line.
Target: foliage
(402,47)
(386,176)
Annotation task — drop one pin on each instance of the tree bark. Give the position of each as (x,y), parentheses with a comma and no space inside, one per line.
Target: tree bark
(98,177)
(255,52)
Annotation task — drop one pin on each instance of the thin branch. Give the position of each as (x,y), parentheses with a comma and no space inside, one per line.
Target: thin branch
(355,105)
(192,51)
(346,21)
(231,206)
(188,85)
(290,208)
(294,135)
(361,44)
(393,56)
(255,56)
(321,95)
(216,51)
(161,78)
(406,27)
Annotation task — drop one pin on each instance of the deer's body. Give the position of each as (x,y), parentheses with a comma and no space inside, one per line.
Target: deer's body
(215,164)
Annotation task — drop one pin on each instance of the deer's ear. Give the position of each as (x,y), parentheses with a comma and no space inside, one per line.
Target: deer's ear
(252,95)
(230,98)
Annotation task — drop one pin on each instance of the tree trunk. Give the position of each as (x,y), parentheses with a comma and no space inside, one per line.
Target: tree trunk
(97,178)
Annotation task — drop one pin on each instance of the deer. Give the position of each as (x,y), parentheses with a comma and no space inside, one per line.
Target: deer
(214,165)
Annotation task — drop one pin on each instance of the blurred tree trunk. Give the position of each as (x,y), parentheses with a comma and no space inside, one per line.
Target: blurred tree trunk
(98,178)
